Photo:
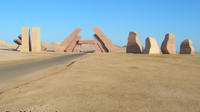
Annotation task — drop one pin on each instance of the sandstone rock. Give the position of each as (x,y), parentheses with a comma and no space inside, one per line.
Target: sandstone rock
(77,48)
(25,47)
(86,42)
(151,46)
(104,40)
(68,40)
(187,47)
(18,42)
(35,40)
(168,45)
(134,45)
(73,44)
(100,46)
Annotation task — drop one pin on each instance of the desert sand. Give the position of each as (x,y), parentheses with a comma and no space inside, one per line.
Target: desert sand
(115,82)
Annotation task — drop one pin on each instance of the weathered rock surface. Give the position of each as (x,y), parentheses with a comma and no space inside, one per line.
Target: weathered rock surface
(168,45)
(134,45)
(151,46)
(187,47)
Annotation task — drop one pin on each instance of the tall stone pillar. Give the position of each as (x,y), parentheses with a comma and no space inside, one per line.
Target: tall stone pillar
(35,40)
(25,39)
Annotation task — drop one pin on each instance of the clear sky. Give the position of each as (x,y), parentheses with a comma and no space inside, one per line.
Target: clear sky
(58,18)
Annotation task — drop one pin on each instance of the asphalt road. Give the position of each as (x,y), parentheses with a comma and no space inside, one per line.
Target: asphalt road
(14,71)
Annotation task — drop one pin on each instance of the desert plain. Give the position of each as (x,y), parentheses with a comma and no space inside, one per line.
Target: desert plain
(105,82)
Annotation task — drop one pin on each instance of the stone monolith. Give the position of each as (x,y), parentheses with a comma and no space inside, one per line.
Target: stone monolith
(35,40)
(168,45)
(25,39)
(151,46)
(187,47)
(100,46)
(134,45)
(104,39)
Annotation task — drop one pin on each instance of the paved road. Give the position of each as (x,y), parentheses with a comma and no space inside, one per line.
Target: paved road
(14,71)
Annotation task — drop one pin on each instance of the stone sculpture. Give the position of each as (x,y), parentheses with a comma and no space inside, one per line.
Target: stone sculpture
(35,40)
(151,46)
(187,47)
(66,43)
(25,46)
(103,41)
(29,44)
(168,45)
(134,45)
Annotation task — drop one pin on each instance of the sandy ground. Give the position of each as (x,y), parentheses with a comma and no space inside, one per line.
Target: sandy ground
(109,83)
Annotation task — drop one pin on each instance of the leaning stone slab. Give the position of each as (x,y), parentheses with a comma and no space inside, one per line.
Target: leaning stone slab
(35,40)
(104,39)
(73,44)
(100,46)
(151,46)
(134,45)
(187,47)
(77,48)
(25,39)
(168,45)
(68,40)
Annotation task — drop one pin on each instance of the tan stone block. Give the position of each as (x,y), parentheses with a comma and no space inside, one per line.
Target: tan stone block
(105,40)
(187,47)
(86,42)
(134,45)
(25,47)
(100,44)
(71,46)
(68,40)
(35,40)
(151,46)
(77,48)
(168,45)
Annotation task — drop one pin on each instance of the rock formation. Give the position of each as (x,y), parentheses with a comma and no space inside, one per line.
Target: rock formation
(134,45)
(187,47)
(168,45)
(151,46)
(103,42)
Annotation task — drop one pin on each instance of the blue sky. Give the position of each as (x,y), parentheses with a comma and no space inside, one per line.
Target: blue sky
(58,18)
